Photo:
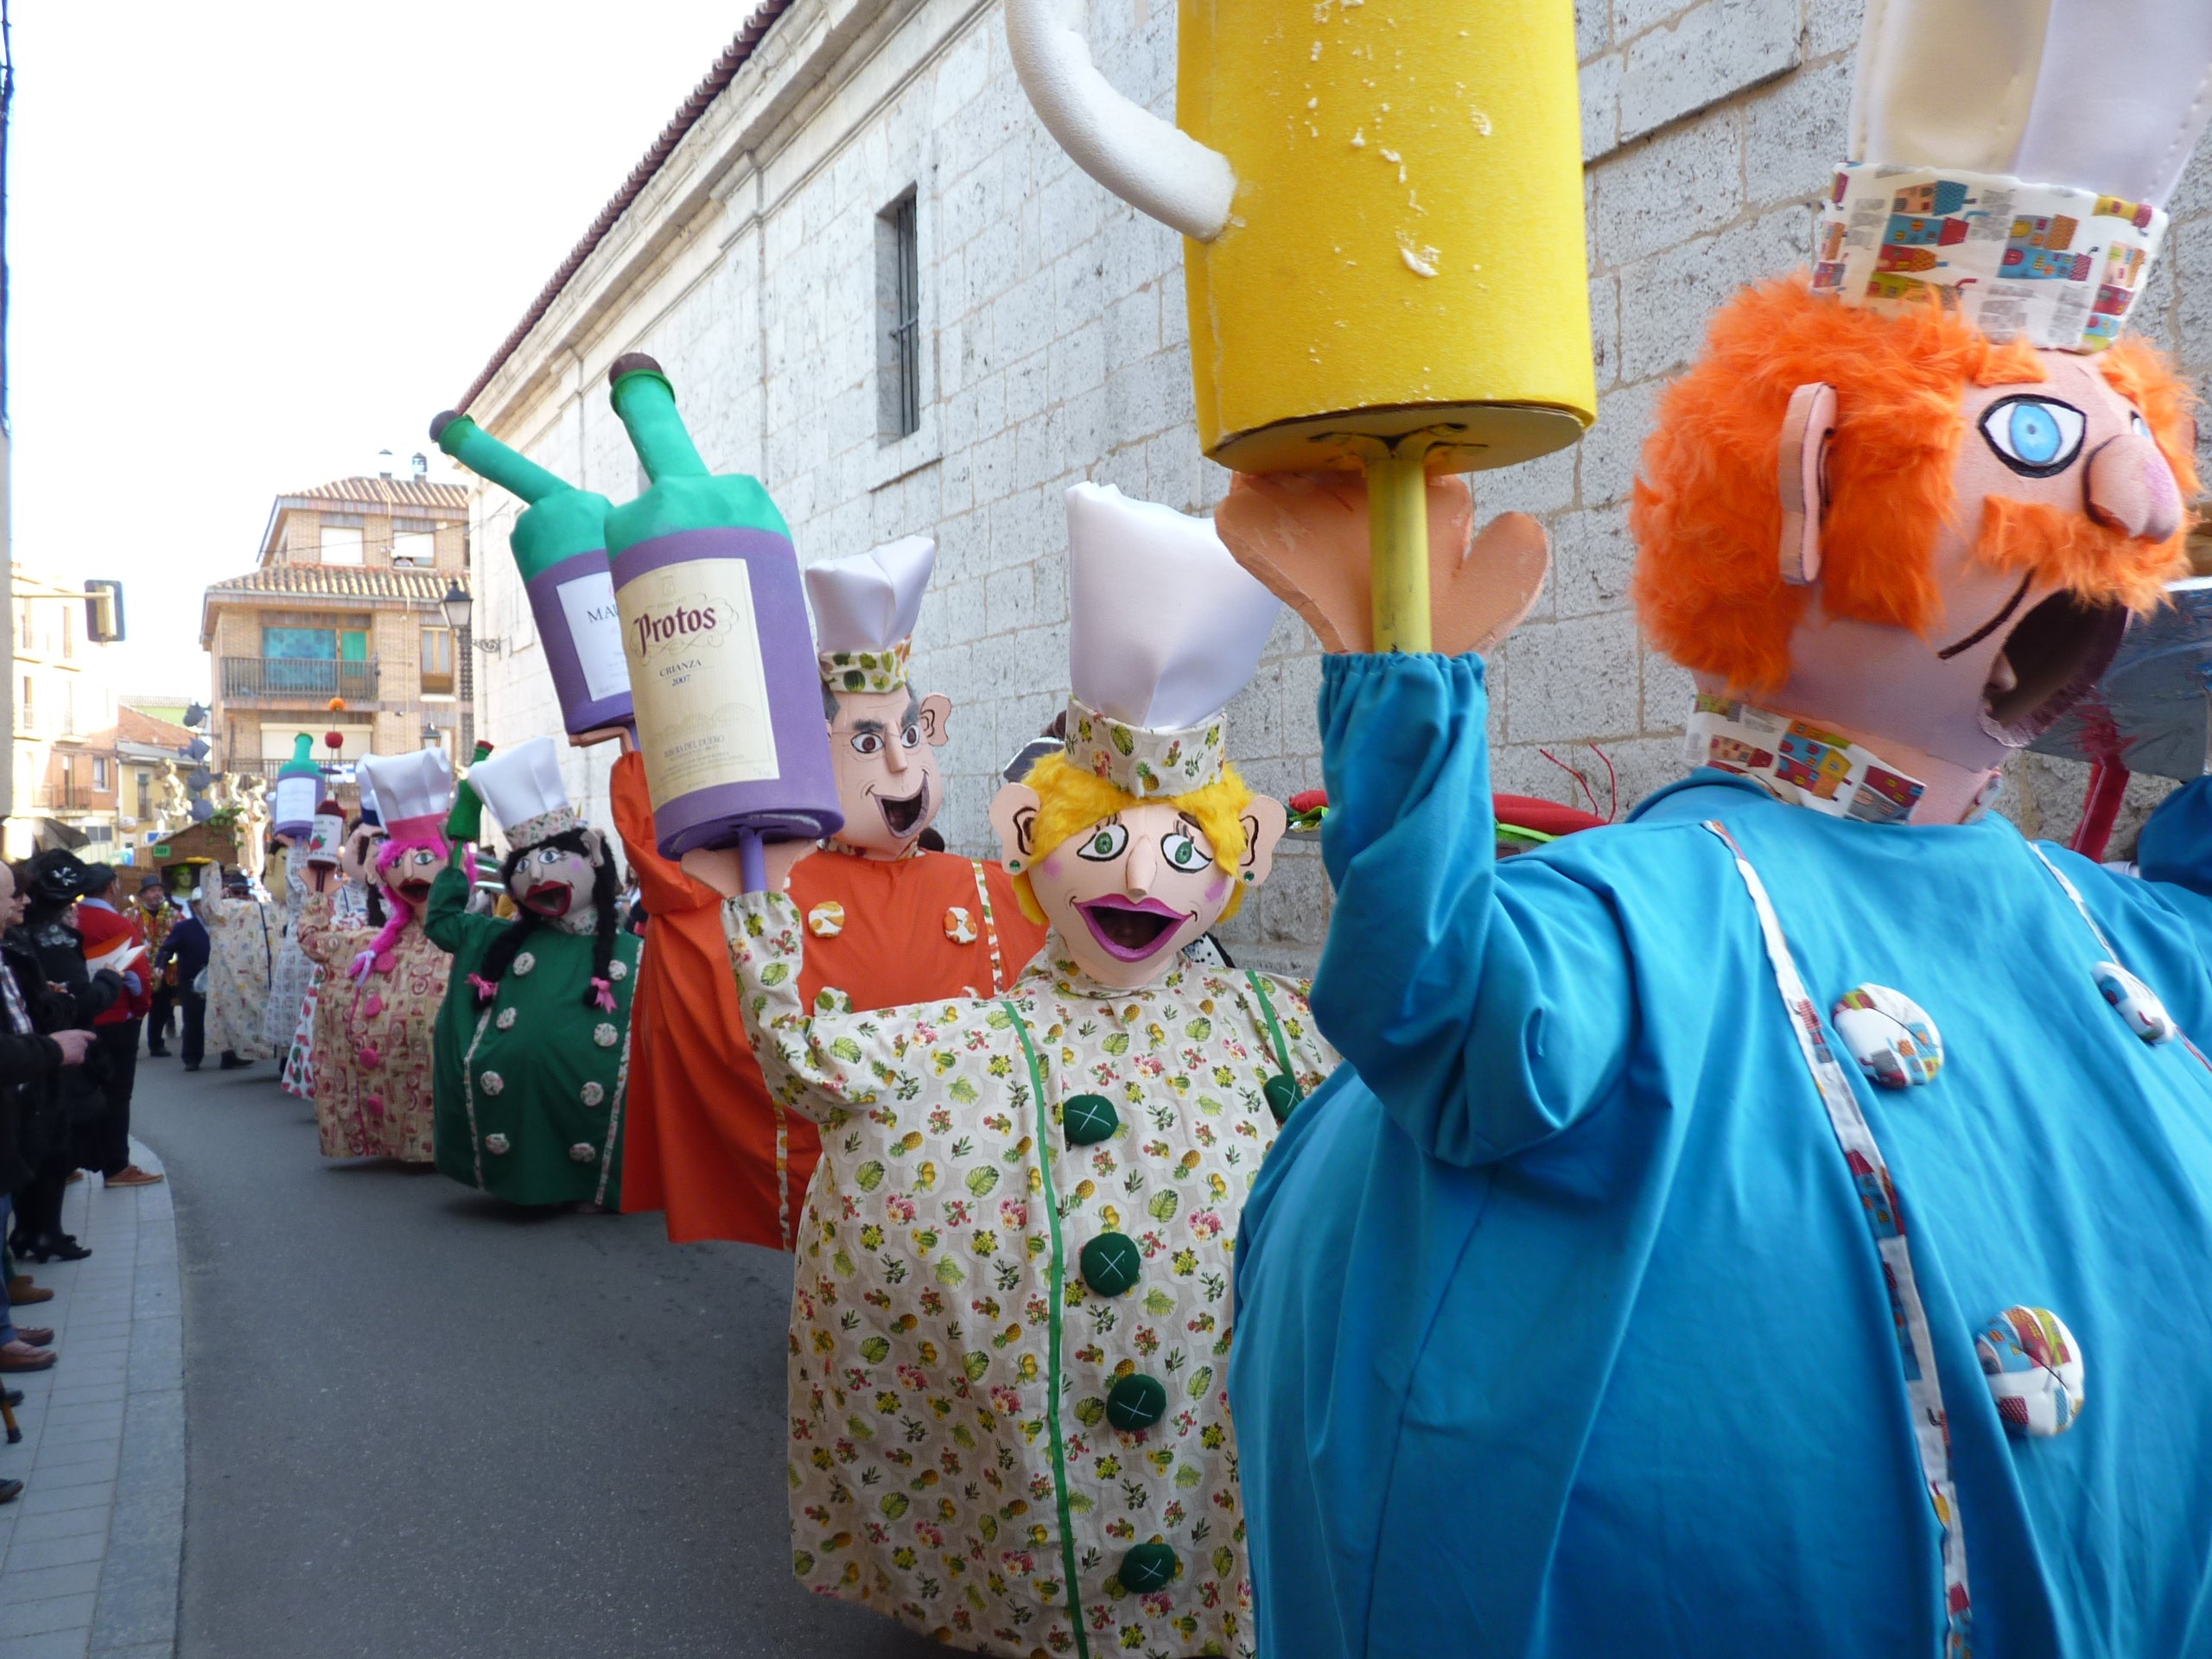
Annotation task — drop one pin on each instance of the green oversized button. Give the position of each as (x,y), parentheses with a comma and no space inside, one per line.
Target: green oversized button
(1110,1264)
(1282,1095)
(1148,1567)
(1089,1119)
(1136,1401)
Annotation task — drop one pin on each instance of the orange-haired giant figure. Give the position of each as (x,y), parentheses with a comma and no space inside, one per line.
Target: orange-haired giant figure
(1778,1224)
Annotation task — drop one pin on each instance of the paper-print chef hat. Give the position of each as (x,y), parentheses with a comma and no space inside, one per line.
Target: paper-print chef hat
(2010,160)
(523,787)
(864,613)
(414,791)
(1165,627)
(371,813)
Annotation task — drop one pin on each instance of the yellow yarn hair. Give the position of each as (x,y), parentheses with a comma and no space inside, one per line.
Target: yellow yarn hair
(1071,800)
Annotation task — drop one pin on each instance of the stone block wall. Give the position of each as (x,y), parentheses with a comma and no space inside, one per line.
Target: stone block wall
(1055,350)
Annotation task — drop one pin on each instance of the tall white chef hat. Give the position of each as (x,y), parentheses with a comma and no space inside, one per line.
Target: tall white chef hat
(414,791)
(865,608)
(522,786)
(2010,159)
(1164,628)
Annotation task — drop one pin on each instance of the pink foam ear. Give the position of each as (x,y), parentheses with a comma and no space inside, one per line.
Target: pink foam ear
(1801,479)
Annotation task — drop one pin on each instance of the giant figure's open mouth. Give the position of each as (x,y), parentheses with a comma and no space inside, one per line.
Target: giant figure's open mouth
(416,892)
(1130,929)
(550,898)
(2051,658)
(904,814)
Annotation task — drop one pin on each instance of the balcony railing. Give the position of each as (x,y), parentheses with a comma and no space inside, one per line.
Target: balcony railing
(286,679)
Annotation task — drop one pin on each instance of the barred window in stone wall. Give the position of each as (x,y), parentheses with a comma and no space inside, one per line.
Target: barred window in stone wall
(899,312)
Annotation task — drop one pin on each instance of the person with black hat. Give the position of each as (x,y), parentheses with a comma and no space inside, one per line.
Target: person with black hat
(76,995)
(115,940)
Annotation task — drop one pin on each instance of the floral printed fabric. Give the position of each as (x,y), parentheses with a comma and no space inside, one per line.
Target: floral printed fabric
(940,1471)
(372,1043)
(293,973)
(351,907)
(1141,761)
(241,956)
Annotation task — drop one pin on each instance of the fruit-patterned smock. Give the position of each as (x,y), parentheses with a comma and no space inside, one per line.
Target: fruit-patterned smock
(1011,1324)
(1563,1330)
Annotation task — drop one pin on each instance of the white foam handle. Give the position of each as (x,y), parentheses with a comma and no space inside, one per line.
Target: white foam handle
(1155,167)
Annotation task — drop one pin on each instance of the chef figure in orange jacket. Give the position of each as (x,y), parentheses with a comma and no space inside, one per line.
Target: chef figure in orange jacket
(889,922)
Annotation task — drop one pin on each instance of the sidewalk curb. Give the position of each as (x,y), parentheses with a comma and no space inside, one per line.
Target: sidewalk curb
(102,1431)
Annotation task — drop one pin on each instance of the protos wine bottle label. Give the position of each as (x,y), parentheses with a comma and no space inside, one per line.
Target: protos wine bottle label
(595,627)
(692,638)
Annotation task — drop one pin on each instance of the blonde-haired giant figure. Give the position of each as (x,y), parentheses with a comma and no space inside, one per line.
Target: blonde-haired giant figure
(1011,1325)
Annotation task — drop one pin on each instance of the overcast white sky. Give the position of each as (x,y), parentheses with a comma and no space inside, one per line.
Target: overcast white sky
(253,242)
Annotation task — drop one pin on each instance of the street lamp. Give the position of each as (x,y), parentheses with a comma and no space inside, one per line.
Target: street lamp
(460,610)
(458,607)
(431,740)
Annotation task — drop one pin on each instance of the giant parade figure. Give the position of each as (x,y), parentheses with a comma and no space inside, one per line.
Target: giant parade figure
(1011,1318)
(376,996)
(534,1037)
(1776,1224)
(891,922)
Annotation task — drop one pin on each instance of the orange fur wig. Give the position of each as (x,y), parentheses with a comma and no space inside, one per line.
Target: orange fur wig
(1708,516)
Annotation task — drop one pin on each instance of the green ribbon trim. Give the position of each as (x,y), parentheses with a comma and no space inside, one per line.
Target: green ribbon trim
(1274,1031)
(1052,1359)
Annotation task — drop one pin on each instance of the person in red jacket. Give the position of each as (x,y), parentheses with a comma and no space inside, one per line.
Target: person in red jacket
(115,939)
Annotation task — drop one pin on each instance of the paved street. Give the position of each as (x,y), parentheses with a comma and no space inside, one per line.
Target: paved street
(420,1423)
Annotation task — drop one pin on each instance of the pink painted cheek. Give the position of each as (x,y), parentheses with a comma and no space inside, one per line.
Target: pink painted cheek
(1051,862)
(1217,887)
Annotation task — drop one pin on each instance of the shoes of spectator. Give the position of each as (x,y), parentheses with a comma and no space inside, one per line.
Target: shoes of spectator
(19,1356)
(192,1065)
(131,1175)
(39,1336)
(61,1247)
(10,1491)
(21,1292)
(231,1062)
(157,1053)
(14,1397)
(75,1176)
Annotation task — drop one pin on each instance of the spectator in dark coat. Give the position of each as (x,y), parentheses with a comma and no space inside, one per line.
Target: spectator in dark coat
(76,996)
(186,948)
(112,934)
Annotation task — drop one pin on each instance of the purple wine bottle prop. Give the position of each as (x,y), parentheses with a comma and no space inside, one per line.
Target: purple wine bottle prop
(560,544)
(722,668)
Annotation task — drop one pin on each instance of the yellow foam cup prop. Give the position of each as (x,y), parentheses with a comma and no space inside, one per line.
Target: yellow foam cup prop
(1384,262)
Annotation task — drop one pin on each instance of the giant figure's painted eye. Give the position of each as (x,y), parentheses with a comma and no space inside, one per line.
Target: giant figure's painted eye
(1183,853)
(2035,436)
(1104,843)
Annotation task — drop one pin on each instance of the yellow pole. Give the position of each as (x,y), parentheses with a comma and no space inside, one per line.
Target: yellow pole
(1397,532)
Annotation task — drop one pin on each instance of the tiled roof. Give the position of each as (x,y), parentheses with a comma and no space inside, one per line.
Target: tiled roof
(734,56)
(137,726)
(338,582)
(384,492)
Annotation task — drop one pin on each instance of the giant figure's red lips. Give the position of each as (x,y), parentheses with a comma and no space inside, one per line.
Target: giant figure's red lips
(552,898)
(1130,929)
(416,892)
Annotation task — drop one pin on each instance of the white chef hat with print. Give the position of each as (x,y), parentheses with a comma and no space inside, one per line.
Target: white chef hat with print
(2010,160)
(1164,628)
(523,787)
(865,608)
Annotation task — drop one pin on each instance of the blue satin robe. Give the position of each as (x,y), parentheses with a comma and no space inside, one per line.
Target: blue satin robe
(1561,1332)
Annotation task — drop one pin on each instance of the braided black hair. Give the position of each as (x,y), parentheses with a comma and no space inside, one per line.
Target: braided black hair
(605,902)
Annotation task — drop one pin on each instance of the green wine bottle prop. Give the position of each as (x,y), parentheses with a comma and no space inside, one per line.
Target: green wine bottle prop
(722,668)
(560,543)
(299,789)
